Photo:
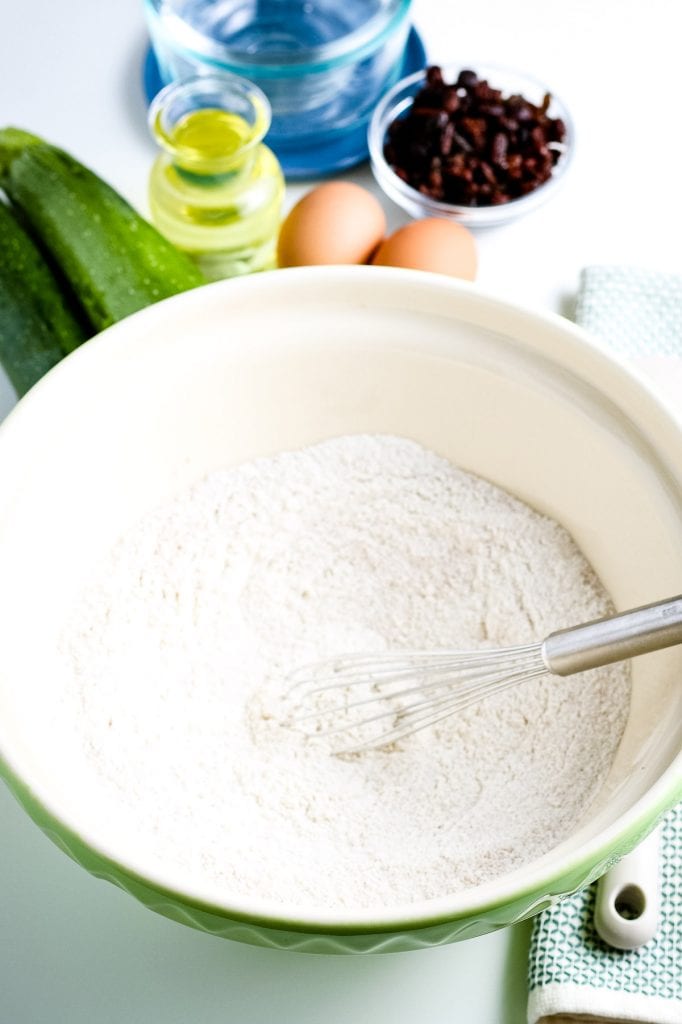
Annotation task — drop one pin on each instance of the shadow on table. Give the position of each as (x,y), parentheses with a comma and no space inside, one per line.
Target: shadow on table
(132,90)
(515,975)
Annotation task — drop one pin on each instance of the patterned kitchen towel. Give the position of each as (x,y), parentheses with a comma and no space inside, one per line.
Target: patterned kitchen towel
(574,977)
(636,312)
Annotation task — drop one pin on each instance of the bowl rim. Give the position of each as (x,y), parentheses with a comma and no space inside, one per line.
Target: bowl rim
(538,878)
(350,48)
(410,199)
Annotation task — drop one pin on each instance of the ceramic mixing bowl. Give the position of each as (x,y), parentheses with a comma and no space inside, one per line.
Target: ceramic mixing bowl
(251,367)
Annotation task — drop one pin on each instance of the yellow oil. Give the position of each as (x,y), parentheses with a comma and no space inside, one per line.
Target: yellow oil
(210,137)
(217,192)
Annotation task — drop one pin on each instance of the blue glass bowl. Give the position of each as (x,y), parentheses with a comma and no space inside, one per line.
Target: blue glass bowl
(322,65)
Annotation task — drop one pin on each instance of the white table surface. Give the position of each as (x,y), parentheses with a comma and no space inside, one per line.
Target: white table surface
(73,949)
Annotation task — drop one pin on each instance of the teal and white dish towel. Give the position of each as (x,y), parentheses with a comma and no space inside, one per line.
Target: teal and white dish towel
(574,977)
(634,312)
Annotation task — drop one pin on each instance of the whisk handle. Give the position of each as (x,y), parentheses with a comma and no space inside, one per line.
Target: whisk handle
(614,638)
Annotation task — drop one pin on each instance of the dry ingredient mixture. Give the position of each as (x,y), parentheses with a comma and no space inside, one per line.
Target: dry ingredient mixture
(177,652)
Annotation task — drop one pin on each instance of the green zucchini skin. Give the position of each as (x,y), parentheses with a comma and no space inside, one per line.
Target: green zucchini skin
(115,261)
(23,269)
(28,345)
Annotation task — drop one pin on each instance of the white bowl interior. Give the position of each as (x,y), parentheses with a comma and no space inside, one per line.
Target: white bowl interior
(250,368)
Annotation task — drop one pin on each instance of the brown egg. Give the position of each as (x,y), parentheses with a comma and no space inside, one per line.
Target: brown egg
(442,246)
(338,222)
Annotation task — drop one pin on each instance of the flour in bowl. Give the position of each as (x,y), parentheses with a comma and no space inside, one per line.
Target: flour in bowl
(176,657)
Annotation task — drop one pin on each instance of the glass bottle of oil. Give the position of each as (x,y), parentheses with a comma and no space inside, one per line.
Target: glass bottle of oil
(215,190)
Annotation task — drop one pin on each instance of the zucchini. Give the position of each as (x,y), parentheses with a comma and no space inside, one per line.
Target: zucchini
(23,269)
(115,261)
(29,347)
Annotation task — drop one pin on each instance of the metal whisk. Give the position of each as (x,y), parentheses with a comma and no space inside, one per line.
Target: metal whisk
(376,699)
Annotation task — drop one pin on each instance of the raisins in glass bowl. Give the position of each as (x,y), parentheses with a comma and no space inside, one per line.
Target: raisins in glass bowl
(482,145)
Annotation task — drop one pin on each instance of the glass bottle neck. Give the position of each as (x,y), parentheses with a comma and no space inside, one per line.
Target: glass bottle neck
(209,144)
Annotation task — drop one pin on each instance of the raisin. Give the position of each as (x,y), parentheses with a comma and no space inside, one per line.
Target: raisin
(469,144)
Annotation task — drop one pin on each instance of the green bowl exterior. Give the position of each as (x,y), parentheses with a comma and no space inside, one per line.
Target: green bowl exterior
(300,936)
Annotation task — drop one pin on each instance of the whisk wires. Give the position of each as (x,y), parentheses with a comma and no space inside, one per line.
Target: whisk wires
(376,700)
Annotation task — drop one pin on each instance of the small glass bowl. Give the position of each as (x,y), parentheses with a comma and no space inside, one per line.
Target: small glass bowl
(398,101)
(322,64)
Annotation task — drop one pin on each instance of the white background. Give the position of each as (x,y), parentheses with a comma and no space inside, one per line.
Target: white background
(73,949)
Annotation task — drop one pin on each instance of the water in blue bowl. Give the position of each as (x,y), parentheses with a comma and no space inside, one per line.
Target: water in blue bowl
(278,28)
(323,64)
